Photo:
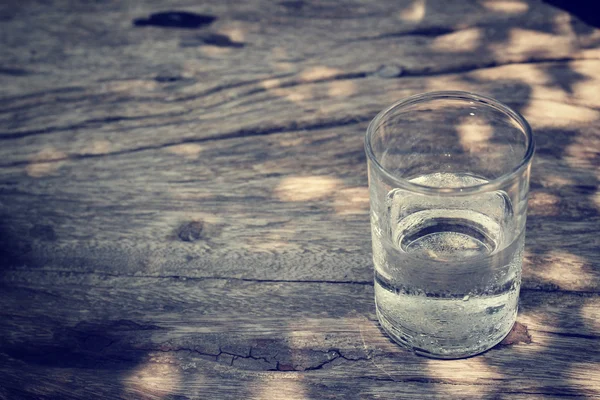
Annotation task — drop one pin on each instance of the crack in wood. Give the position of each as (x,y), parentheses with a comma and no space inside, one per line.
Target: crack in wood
(200,278)
(216,356)
(336,354)
(258,280)
(431,31)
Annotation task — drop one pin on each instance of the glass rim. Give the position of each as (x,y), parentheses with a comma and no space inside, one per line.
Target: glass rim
(493,184)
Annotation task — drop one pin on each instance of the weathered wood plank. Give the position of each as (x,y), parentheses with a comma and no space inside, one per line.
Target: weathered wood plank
(155,335)
(291,202)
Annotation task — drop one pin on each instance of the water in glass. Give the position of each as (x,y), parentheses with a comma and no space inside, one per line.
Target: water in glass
(447,269)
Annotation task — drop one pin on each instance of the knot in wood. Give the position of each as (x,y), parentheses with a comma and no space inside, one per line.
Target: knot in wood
(191,232)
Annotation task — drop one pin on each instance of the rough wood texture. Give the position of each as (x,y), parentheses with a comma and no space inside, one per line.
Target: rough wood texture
(183,203)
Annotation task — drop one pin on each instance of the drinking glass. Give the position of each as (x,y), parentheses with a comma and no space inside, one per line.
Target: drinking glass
(448,186)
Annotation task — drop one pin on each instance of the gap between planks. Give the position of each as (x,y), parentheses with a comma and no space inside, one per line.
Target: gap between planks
(261,281)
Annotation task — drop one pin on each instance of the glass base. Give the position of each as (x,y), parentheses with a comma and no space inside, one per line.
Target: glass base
(403,339)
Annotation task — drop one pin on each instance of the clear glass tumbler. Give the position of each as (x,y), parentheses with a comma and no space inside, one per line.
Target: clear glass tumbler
(448,182)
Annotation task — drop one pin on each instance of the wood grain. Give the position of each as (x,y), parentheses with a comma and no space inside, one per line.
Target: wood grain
(183,202)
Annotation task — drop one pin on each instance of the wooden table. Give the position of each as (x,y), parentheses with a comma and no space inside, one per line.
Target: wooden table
(184,207)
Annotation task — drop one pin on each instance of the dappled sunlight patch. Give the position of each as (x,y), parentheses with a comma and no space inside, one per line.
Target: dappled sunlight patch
(589,68)
(187,150)
(271,83)
(547,93)
(461,41)
(584,155)
(319,73)
(556,114)
(527,42)
(554,181)
(341,88)
(235,33)
(215,51)
(565,270)
(512,7)
(470,369)
(543,204)
(590,314)
(351,201)
(97,147)
(285,386)
(474,133)
(586,90)
(46,162)
(584,376)
(306,188)
(530,74)
(158,376)
(414,12)
(296,94)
